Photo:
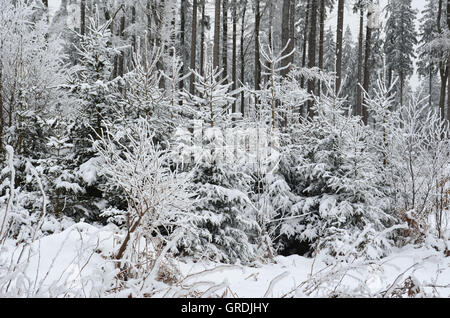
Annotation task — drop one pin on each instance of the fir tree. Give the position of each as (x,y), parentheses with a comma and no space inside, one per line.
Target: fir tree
(401,39)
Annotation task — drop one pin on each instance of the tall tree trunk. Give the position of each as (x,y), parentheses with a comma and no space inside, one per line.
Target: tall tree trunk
(402,85)
(257,48)
(358,108)
(293,15)
(111,29)
(305,40)
(182,39)
(216,49)
(160,20)
(193,45)
(202,39)
(121,65)
(443,70)
(225,39)
(444,78)
(448,65)
(149,22)
(2,122)
(83,17)
(312,55)
(234,57)
(285,32)
(133,36)
(366,83)
(448,89)
(430,88)
(339,37)
(321,40)
(270,35)
(244,10)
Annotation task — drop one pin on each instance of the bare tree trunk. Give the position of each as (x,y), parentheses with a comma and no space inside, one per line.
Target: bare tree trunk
(444,78)
(292,31)
(225,39)
(443,69)
(121,61)
(285,32)
(448,65)
(216,61)
(234,57)
(402,84)
(430,89)
(193,45)
(305,40)
(2,122)
(366,85)
(340,32)
(182,40)
(83,17)
(149,22)
(244,10)
(133,36)
(312,55)
(270,35)
(321,40)
(257,48)
(160,19)
(448,89)
(358,109)
(202,40)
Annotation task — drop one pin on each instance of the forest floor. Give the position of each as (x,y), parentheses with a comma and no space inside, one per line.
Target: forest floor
(77,261)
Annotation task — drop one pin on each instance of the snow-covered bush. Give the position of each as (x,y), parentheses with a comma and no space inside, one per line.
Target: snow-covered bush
(412,144)
(158,197)
(338,179)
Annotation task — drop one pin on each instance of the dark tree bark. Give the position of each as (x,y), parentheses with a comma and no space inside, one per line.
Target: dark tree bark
(305,40)
(2,122)
(148,13)
(448,65)
(202,39)
(225,39)
(216,50)
(358,109)
(257,48)
(285,32)
(443,68)
(83,17)
(292,30)
(312,54)
(121,62)
(321,39)
(133,36)
(244,10)
(270,33)
(340,32)
(430,88)
(234,57)
(193,45)
(366,83)
(182,39)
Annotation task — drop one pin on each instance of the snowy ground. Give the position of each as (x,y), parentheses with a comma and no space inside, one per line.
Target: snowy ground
(73,264)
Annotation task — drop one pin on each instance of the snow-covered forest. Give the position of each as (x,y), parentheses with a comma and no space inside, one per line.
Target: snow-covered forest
(226,148)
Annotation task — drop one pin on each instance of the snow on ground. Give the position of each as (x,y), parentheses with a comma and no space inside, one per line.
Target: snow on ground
(73,263)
